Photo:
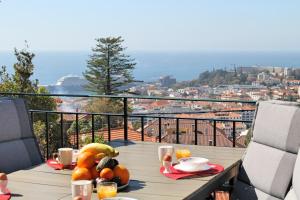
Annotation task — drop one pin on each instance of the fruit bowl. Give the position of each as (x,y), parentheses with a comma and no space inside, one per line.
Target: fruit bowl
(122,187)
(97,162)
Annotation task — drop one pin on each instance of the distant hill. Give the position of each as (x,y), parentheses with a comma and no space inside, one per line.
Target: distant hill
(217,77)
(220,77)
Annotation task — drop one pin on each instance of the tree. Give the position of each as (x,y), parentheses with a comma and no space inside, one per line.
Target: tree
(21,81)
(109,67)
(105,105)
(24,70)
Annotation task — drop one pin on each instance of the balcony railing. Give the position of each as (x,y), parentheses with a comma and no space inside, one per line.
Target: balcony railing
(125,115)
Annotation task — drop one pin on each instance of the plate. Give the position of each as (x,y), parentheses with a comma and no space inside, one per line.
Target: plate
(194,160)
(191,169)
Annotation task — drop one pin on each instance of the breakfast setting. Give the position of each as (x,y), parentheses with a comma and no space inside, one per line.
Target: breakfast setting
(185,165)
(96,169)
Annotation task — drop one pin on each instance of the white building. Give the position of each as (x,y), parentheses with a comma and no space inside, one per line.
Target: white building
(287,72)
(263,76)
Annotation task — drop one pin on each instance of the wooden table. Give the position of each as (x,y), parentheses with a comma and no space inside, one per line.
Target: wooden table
(141,158)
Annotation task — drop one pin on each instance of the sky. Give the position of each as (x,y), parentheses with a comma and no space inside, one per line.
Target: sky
(152,25)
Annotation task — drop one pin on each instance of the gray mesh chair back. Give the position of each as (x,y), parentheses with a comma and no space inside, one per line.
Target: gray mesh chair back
(267,167)
(18,146)
(294,193)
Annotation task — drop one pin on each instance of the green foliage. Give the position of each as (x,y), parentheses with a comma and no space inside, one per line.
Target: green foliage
(84,126)
(23,71)
(20,81)
(6,82)
(136,125)
(219,77)
(108,67)
(104,105)
(248,137)
(98,139)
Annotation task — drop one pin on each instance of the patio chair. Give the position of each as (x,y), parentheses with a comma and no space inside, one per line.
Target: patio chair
(294,193)
(18,145)
(267,167)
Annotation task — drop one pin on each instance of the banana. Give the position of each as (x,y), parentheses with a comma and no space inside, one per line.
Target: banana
(99,156)
(96,148)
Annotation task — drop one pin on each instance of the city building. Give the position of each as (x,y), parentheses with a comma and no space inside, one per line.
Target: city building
(167,81)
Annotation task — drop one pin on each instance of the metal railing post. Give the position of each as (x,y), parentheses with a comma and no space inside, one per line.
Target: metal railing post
(177,131)
(31,117)
(93,128)
(196,131)
(142,127)
(108,128)
(215,133)
(47,135)
(61,130)
(233,134)
(125,118)
(77,132)
(159,129)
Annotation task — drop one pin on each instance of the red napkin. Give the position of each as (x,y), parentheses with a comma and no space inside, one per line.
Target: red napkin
(179,174)
(58,166)
(5,196)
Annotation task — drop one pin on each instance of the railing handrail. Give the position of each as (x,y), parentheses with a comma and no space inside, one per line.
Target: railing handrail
(128,96)
(138,116)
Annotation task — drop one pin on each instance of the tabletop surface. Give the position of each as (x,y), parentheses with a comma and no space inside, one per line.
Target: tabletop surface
(146,182)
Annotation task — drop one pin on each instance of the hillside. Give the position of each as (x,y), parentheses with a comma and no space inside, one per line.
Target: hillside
(220,76)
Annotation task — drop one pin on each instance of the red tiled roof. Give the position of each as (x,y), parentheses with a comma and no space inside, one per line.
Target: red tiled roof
(204,136)
(117,134)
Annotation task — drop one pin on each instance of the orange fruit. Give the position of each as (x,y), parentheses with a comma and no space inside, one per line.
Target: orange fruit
(94,172)
(86,160)
(107,173)
(81,174)
(122,172)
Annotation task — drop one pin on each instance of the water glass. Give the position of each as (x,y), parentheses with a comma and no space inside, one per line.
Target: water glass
(3,185)
(75,155)
(82,188)
(163,150)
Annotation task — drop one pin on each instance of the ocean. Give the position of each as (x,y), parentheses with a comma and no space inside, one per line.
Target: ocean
(50,66)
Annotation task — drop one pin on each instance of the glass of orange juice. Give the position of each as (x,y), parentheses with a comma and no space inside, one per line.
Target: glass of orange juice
(182,153)
(106,190)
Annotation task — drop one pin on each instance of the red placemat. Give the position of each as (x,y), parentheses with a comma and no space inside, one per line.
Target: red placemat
(57,166)
(176,174)
(5,196)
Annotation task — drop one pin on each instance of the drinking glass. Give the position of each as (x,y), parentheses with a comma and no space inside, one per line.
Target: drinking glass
(106,190)
(3,185)
(82,188)
(75,155)
(163,150)
(182,153)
